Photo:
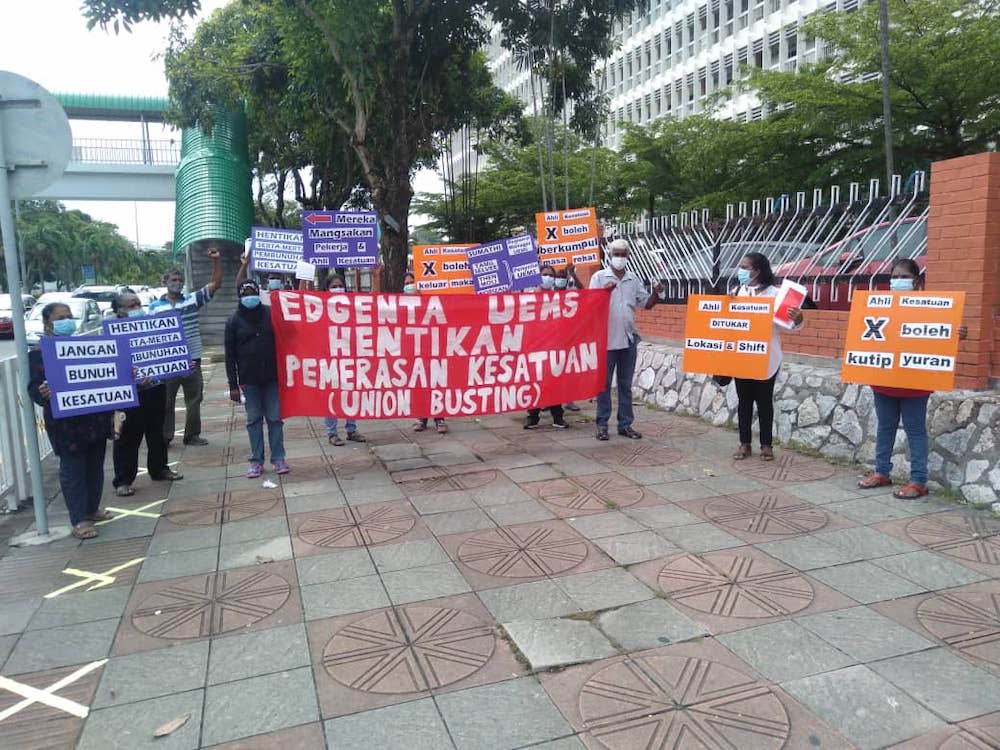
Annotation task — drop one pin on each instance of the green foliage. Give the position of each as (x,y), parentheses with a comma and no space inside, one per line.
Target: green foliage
(56,243)
(121,14)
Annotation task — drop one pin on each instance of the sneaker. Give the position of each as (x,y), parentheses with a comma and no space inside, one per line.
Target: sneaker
(602,433)
(560,425)
(357,437)
(571,405)
(420,425)
(167,476)
(255,471)
(281,467)
(531,423)
(335,439)
(196,440)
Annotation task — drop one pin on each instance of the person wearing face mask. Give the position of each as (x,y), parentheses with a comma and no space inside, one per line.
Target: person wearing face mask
(79,442)
(251,365)
(273,282)
(335,285)
(627,293)
(549,280)
(409,284)
(410,287)
(193,384)
(756,278)
(144,420)
(566,278)
(906,404)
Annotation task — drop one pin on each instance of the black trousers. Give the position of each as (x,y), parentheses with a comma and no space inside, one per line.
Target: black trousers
(556,412)
(761,393)
(144,420)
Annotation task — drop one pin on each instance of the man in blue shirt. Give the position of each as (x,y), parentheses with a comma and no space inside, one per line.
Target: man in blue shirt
(188,306)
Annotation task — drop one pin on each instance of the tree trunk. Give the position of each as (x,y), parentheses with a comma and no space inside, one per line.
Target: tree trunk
(394,200)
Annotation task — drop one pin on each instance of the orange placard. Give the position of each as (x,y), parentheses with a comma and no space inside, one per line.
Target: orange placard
(568,237)
(442,269)
(903,339)
(728,335)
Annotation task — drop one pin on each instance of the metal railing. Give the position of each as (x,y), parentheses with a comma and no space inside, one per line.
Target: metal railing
(15,480)
(123,151)
(831,245)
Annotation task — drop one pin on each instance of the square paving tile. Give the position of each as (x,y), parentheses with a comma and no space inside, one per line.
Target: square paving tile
(131,727)
(302,737)
(533,473)
(944,682)
(417,554)
(38,725)
(528,601)
(603,589)
(809,552)
(863,706)
(253,530)
(443,502)
(523,512)
(185,609)
(98,558)
(415,725)
(604,524)
(504,716)
(864,634)
(784,651)
(335,566)
(310,503)
(639,547)
(868,510)
(86,606)
(238,657)
(179,564)
(686,489)
(7,645)
(58,647)
(866,542)
(254,552)
(259,704)
(184,541)
(458,521)
(866,583)
(558,642)
(15,615)
(700,537)
(139,677)
(661,516)
(343,597)
(430,582)
(929,570)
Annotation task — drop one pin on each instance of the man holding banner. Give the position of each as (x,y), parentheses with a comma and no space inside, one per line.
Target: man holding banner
(627,293)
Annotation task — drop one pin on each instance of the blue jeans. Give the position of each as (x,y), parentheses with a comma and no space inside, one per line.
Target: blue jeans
(81,478)
(331,426)
(622,360)
(913,411)
(262,403)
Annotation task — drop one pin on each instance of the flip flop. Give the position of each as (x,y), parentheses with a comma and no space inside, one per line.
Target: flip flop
(84,530)
(101,515)
(124,490)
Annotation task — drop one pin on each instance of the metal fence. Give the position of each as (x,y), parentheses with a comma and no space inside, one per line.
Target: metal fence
(15,479)
(833,242)
(123,151)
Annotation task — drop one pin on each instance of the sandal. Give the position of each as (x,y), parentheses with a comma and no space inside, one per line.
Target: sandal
(420,425)
(101,515)
(84,530)
(766,453)
(910,491)
(442,428)
(124,490)
(335,440)
(744,452)
(874,480)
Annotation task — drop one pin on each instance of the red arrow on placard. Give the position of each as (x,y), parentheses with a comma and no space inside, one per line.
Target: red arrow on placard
(318,218)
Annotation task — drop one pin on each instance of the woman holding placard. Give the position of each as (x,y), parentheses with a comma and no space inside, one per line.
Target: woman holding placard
(79,442)
(906,404)
(757,279)
(410,287)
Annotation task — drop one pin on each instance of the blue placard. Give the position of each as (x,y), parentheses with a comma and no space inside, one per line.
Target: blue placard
(156,342)
(275,250)
(505,265)
(87,374)
(340,239)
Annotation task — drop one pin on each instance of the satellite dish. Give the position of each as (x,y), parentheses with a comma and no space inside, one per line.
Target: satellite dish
(36,139)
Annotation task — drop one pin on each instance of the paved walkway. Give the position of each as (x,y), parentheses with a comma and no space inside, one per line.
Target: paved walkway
(428,591)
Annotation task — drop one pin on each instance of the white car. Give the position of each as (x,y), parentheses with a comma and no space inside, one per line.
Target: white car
(102,295)
(85,311)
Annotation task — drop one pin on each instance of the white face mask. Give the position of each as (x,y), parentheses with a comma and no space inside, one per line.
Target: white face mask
(548,282)
(618,262)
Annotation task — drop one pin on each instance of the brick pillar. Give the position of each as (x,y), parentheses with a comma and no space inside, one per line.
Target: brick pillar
(963,254)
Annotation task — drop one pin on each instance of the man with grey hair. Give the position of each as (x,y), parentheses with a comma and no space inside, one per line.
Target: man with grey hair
(193,384)
(627,293)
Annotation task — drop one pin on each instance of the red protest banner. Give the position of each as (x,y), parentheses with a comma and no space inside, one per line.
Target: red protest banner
(388,356)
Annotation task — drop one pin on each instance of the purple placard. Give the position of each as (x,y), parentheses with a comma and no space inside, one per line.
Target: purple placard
(505,265)
(340,239)
(157,344)
(275,250)
(87,375)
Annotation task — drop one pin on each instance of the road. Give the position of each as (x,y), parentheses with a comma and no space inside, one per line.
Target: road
(6,348)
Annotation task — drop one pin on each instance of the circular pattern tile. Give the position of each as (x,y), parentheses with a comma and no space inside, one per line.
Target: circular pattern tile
(637,456)
(355,526)
(973,738)
(221,508)
(681,703)
(212,604)
(523,552)
(735,586)
(968,536)
(766,513)
(447,481)
(351,462)
(786,467)
(673,428)
(410,650)
(593,492)
(968,622)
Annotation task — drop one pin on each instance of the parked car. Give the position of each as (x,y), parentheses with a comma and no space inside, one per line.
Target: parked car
(102,295)
(86,312)
(7,313)
(862,260)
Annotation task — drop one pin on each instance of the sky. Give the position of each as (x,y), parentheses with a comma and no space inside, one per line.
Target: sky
(48,42)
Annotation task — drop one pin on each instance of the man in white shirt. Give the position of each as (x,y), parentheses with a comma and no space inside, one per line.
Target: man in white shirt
(627,293)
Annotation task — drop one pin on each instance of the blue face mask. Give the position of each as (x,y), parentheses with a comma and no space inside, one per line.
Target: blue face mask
(561,283)
(548,282)
(409,288)
(901,285)
(274,284)
(136,313)
(743,276)
(64,327)
(250,301)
